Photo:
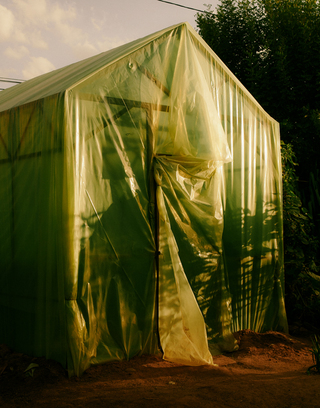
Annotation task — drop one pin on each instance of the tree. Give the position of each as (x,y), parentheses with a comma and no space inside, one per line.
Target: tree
(301,249)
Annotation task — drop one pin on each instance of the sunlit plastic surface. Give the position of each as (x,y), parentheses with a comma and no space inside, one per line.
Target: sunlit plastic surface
(140,207)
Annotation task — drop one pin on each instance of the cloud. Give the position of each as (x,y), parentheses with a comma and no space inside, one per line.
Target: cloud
(36,40)
(33,11)
(62,21)
(60,15)
(41,24)
(68,31)
(6,23)
(37,66)
(84,50)
(17,52)
(96,24)
(14,26)
(107,43)
(37,20)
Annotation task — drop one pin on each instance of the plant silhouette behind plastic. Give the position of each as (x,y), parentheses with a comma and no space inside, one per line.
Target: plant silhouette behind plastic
(315,355)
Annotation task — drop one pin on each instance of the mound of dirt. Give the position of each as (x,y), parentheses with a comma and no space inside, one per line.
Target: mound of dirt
(273,344)
(268,370)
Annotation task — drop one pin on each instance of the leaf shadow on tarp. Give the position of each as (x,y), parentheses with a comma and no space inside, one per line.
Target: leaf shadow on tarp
(193,207)
(238,283)
(253,256)
(202,262)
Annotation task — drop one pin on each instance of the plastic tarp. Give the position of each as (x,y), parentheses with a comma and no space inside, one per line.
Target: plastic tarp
(140,207)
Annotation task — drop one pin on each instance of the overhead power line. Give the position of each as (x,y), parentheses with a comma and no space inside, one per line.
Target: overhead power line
(11,80)
(187,7)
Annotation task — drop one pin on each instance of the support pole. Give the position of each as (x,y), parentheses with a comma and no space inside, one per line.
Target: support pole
(153,210)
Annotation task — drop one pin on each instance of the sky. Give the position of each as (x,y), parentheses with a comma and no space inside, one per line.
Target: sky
(38,36)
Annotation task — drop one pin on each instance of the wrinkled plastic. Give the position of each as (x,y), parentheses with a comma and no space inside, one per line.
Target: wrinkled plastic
(140,207)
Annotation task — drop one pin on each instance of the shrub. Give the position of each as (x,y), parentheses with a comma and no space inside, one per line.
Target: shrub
(301,249)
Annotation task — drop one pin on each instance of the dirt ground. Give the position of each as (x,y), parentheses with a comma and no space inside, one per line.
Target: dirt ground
(268,370)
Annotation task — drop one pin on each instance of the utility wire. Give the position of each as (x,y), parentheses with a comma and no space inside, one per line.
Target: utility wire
(11,80)
(181,5)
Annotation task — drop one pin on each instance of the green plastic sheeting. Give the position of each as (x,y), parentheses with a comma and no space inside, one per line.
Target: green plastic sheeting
(140,208)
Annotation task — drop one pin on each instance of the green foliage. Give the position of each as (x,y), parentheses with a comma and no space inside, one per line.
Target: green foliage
(30,369)
(314,199)
(301,249)
(315,355)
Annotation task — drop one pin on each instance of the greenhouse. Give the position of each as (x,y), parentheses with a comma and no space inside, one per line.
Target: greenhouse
(140,208)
